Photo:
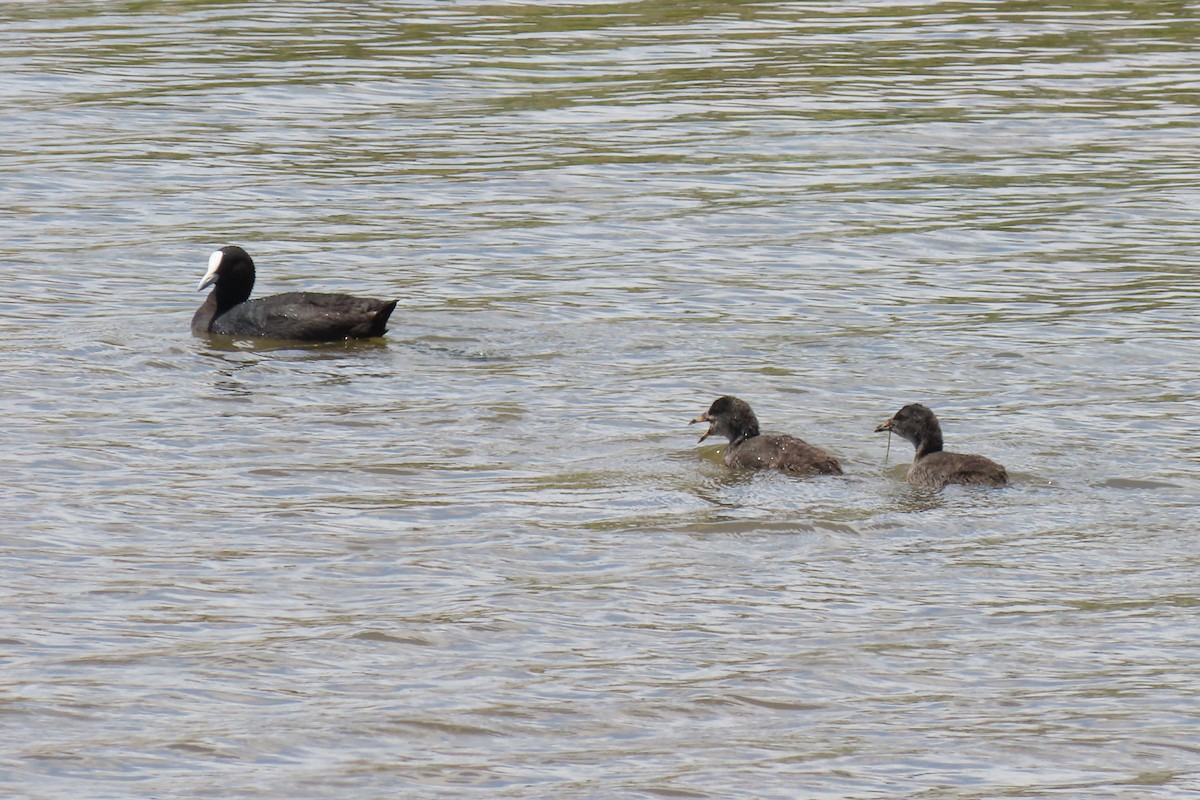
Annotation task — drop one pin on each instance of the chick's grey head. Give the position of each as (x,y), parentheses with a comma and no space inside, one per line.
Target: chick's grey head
(917,424)
(729,417)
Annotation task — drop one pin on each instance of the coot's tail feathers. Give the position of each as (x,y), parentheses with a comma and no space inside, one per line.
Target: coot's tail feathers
(380,320)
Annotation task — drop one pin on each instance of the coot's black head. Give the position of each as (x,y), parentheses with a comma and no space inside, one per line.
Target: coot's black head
(231,270)
(918,425)
(731,418)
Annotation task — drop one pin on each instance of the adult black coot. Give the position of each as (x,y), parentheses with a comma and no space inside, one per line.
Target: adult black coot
(932,466)
(303,316)
(733,419)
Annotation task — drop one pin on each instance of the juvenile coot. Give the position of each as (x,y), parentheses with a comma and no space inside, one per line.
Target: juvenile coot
(733,419)
(933,466)
(304,316)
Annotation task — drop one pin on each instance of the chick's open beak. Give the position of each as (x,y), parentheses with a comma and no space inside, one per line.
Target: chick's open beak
(702,418)
(886,426)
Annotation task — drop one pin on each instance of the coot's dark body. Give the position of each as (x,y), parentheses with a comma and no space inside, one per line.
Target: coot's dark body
(733,418)
(301,316)
(305,316)
(932,466)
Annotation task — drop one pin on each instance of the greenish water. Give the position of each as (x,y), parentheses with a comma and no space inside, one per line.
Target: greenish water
(485,557)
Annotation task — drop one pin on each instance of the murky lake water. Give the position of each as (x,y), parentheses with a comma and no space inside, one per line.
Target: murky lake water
(485,557)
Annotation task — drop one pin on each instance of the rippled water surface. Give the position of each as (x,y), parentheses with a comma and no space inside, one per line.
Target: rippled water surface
(485,556)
